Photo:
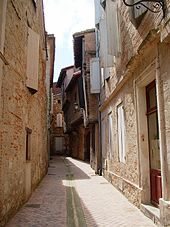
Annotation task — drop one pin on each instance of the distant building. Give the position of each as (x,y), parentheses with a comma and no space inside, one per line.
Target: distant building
(80,104)
(58,138)
(23,107)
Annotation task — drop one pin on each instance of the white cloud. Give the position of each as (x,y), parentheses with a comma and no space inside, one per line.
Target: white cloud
(65,17)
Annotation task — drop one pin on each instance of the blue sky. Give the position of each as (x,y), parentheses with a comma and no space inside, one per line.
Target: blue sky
(63,18)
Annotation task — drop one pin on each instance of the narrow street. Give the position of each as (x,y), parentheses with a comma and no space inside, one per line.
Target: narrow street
(72,195)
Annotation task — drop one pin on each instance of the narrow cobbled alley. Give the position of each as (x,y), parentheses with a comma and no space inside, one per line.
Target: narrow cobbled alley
(64,198)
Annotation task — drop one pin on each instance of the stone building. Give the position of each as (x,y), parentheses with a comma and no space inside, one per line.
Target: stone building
(133,47)
(50,39)
(80,105)
(23,109)
(58,140)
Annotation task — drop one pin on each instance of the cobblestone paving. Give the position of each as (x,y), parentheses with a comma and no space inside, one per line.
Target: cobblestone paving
(71,195)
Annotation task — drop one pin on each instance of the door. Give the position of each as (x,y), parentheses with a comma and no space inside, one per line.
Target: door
(153,137)
(58,145)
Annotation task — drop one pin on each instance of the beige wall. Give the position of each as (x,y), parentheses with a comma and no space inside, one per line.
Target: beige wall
(143,58)
(21,109)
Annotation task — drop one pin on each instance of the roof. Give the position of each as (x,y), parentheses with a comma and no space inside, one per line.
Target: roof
(63,74)
(77,45)
(76,75)
(83,32)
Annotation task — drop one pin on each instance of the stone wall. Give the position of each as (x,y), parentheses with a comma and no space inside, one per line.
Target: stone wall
(21,110)
(127,84)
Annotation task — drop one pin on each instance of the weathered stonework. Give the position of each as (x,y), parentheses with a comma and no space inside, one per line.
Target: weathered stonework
(143,58)
(21,110)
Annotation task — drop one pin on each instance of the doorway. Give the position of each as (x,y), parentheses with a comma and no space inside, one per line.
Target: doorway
(153,142)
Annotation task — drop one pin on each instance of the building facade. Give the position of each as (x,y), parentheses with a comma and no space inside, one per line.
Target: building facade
(50,40)
(58,139)
(133,48)
(23,109)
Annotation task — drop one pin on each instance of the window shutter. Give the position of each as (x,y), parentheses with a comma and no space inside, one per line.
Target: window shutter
(94,76)
(59,120)
(32,60)
(103,42)
(113,32)
(121,133)
(106,59)
(110,135)
(139,11)
(98,12)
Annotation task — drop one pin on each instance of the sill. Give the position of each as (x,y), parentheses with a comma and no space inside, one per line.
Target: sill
(32,91)
(151,212)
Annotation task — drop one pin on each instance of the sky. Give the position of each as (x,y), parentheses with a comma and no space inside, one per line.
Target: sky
(63,18)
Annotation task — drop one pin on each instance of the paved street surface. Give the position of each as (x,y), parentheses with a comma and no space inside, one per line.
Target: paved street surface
(72,195)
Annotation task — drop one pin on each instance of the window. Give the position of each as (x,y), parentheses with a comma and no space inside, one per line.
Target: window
(121,133)
(110,128)
(59,120)
(32,60)
(28,144)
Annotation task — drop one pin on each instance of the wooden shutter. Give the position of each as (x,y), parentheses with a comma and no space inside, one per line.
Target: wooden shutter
(103,42)
(121,133)
(106,60)
(98,12)
(32,60)
(110,135)
(113,34)
(94,76)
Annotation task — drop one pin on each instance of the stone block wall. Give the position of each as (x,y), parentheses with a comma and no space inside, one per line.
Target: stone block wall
(21,109)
